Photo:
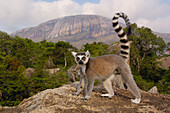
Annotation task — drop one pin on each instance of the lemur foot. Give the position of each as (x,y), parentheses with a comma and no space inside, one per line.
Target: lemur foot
(107,95)
(85,98)
(136,101)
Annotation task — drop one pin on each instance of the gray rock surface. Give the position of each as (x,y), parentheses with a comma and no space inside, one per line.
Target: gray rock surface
(62,100)
(153,90)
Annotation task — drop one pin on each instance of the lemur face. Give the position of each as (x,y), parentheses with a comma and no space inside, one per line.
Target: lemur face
(81,58)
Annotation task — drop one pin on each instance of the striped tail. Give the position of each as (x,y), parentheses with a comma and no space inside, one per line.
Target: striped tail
(125,44)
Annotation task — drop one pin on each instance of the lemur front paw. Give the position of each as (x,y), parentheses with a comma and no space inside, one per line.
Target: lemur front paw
(75,93)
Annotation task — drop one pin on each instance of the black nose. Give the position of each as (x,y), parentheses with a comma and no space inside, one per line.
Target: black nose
(80,62)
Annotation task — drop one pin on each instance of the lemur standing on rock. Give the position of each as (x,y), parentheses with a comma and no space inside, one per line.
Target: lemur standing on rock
(105,67)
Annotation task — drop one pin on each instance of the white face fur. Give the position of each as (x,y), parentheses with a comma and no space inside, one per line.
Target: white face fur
(81,58)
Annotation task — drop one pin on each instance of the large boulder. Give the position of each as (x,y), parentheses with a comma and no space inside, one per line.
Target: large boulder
(153,90)
(1,108)
(62,100)
(52,71)
(29,72)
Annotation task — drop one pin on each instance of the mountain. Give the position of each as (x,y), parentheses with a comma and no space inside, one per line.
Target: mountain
(78,30)
(165,36)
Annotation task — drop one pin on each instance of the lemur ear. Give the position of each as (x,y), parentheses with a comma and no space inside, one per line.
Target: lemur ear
(87,53)
(74,53)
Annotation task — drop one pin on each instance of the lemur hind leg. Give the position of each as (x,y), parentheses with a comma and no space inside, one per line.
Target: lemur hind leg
(108,86)
(129,81)
(134,89)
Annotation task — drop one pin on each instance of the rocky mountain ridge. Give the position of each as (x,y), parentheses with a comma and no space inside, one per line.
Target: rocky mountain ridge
(165,36)
(78,30)
(73,29)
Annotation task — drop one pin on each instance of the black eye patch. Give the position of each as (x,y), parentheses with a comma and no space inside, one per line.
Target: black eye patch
(84,58)
(77,58)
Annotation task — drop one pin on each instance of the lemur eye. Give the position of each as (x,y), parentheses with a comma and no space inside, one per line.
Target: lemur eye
(84,58)
(77,58)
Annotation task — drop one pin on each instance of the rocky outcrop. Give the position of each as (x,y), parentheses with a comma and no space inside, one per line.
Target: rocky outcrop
(1,108)
(7,109)
(62,100)
(165,62)
(153,90)
(52,71)
(29,72)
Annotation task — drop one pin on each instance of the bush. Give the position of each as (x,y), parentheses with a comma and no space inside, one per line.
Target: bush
(14,87)
(143,84)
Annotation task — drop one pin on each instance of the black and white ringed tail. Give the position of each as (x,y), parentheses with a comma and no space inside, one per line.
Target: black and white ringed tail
(125,44)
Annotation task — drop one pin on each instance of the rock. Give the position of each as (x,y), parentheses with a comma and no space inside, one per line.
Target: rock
(62,100)
(153,90)
(29,72)
(165,62)
(1,108)
(59,97)
(7,109)
(52,71)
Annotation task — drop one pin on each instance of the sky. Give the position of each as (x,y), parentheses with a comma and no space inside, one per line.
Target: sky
(19,14)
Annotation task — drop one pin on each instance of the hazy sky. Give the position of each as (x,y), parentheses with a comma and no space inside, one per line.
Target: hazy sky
(19,14)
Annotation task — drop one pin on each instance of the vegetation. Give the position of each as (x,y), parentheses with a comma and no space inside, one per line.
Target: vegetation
(96,49)
(18,54)
(145,50)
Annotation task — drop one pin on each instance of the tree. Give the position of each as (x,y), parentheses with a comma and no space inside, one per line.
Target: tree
(146,48)
(168,46)
(62,53)
(96,49)
(13,84)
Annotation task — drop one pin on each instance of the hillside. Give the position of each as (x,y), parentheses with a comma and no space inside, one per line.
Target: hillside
(165,36)
(77,30)
(165,62)
(61,100)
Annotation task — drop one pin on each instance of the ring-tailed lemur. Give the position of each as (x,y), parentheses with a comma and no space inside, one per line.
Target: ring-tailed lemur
(105,67)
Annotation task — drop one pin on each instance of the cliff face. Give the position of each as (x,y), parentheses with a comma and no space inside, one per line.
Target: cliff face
(73,29)
(78,30)
(62,100)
